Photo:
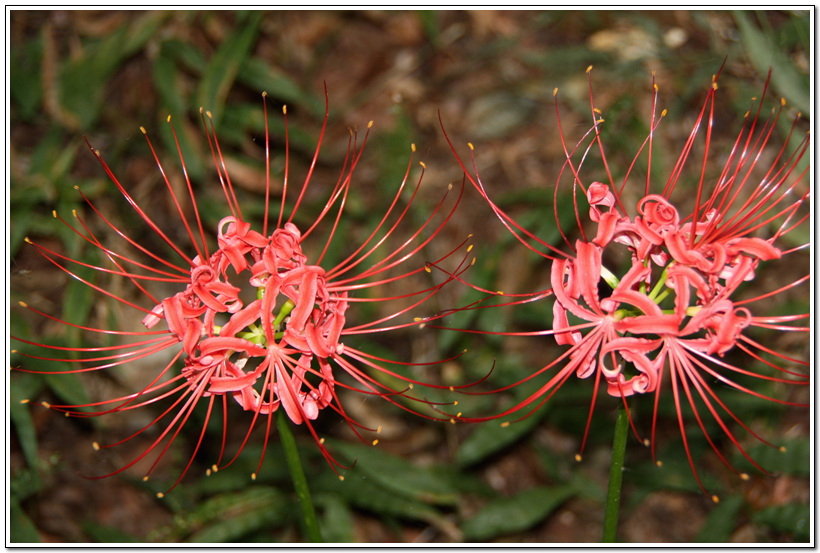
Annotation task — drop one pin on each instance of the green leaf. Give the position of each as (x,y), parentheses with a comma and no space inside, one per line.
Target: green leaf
(674,472)
(336,520)
(765,54)
(721,522)
(514,514)
(400,476)
(166,83)
(492,437)
(228,517)
(25,84)
(21,528)
(23,387)
(67,386)
(362,491)
(107,534)
(185,54)
(258,75)
(24,483)
(223,67)
(795,460)
(792,518)
(82,80)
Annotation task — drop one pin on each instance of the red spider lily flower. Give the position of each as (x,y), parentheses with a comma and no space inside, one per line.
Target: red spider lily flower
(676,311)
(287,347)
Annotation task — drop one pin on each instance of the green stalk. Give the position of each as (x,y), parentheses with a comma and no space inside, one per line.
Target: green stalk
(297,474)
(616,474)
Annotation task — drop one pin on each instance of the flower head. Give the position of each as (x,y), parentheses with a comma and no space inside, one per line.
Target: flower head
(255,319)
(652,289)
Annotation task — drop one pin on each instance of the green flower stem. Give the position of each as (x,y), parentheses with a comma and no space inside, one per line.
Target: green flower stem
(297,474)
(616,474)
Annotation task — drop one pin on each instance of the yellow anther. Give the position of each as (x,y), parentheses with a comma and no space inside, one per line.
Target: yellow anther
(601,120)
(454,402)
(209,114)
(201,110)
(54,213)
(596,110)
(452,421)
(659,463)
(744,476)
(145,478)
(264,94)
(76,187)
(458,414)
(783,449)
(505,424)
(714,87)
(26,239)
(655,85)
(253,476)
(646,442)
(470,144)
(74,212)
(715,499)
(342,478)
(500,292)
(472,262)
(160,495)
(413,147)
(370,124)
(417,319)
(663,113)
(143,130)
(782,101)
(469,248)
(169,118)
(46,404)
(321,441)
(375,442)
(23,304)
(589,69)
(96,446)
(428,269)
(214,468)
(285,110)
(24,401)
(555,91)
(450,186)
(207,472)
(410,385)
(578,457)
(422,164)
(379,429)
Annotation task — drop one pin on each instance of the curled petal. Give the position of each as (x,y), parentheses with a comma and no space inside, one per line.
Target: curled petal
(560,324)
(755,247)
(657,211)
(650,324)
(598,194)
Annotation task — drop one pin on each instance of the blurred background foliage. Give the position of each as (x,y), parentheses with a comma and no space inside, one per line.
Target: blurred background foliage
(491,76)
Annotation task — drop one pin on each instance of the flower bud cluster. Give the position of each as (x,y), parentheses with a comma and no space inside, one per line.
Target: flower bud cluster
(696,273)
(294,320)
